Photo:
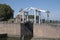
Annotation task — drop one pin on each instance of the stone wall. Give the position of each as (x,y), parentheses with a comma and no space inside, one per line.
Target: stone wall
(39,31)
(46,31)
(12,29)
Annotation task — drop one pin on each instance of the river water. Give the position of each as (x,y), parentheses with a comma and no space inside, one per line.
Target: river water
(10,38)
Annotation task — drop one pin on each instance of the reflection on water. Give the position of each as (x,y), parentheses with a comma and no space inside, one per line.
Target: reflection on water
(3,38)
(10,38)
(18,38)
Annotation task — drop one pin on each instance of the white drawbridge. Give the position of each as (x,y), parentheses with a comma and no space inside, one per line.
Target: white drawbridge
(35,11)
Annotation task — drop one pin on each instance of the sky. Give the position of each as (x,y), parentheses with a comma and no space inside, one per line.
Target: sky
(52,5)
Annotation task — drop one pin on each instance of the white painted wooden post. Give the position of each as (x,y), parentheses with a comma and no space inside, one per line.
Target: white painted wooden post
(34,16)
(22,17)
(39,17)
(27,16)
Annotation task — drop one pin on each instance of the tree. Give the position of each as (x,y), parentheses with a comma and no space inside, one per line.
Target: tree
(6,12)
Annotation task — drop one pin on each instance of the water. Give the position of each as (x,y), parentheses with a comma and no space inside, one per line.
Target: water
(10,38)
